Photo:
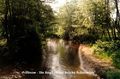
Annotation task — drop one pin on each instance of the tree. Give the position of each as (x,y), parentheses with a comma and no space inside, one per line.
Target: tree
(75,19)
(117,20)
(24,23)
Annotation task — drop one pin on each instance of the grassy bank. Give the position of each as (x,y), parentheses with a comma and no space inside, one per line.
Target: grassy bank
(109,51)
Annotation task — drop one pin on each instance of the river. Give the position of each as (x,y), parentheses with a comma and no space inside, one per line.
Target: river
(64,61)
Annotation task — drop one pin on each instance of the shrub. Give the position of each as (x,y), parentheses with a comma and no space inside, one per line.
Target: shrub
(103,47)
(113,74)
(116,58)
(108,49)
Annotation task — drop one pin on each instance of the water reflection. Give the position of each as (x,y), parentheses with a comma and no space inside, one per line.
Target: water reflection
(64,57)
(69,55)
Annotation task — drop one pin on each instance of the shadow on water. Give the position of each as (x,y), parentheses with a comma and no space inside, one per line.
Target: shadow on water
(69,56)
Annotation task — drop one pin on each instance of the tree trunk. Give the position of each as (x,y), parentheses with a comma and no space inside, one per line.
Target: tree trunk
(117,24)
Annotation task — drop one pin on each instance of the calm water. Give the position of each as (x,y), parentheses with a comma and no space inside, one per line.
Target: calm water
(64,60)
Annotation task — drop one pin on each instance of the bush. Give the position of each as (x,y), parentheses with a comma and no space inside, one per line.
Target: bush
(113,74)
(108,49)
(103,47)
(116,58)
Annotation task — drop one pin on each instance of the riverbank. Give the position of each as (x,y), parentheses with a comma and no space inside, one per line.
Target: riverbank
(91,62)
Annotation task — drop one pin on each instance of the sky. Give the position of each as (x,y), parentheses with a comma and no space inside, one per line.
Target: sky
(57,4)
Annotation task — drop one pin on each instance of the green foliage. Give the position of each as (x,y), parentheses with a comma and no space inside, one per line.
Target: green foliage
(74,20)
(88,19)
(3,42)
(25,24)
(1,30)
(113,74)
(107,49)
(116,58)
